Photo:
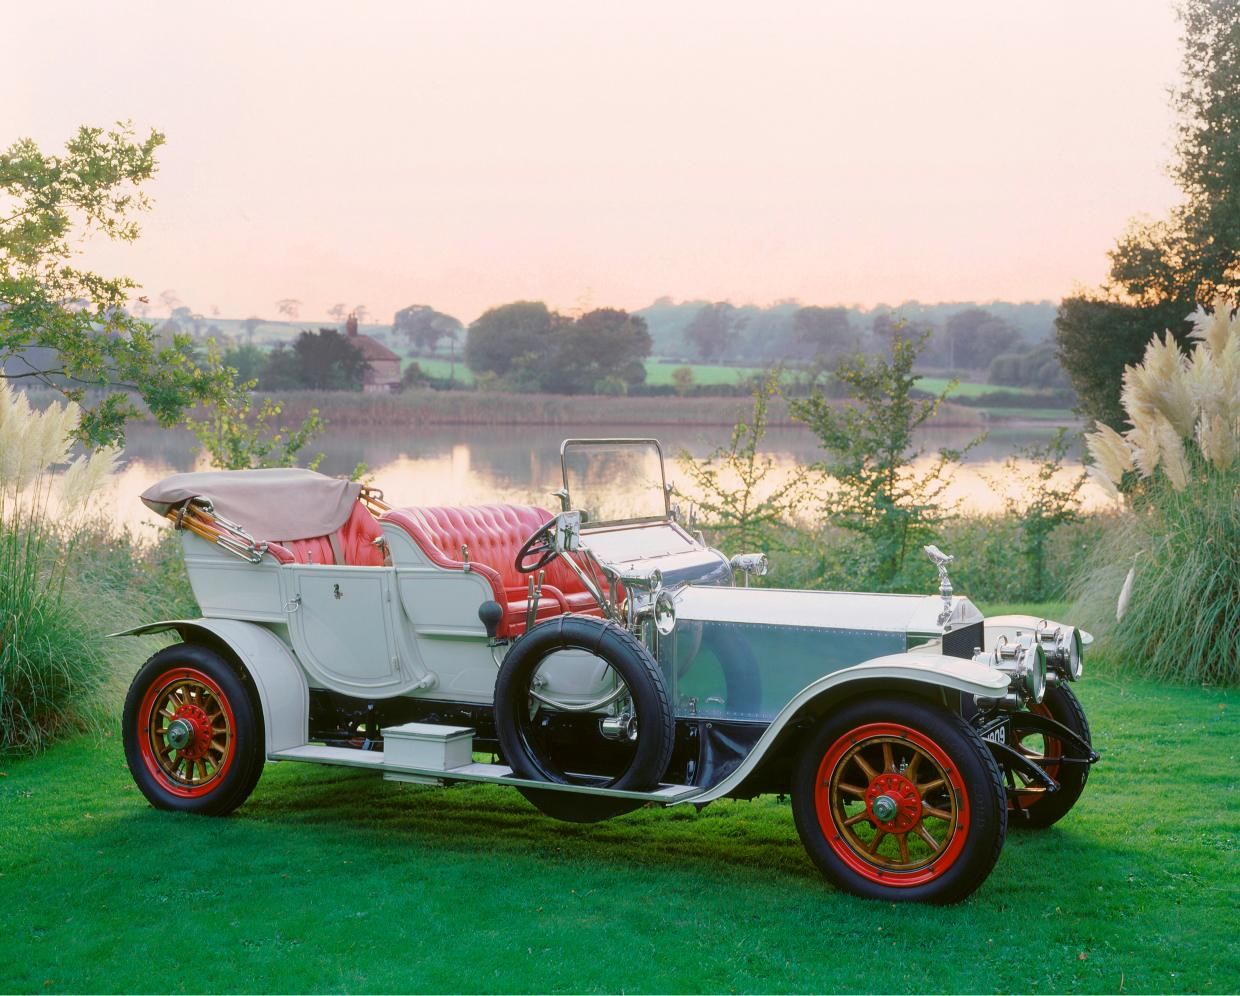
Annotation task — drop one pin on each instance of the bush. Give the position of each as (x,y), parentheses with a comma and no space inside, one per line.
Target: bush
(53,659)
(1173,567)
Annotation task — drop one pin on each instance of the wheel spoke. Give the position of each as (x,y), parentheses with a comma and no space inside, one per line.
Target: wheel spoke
(878,839)
(911,771)
(864,765)
(863,815)
(929,786)
(889,763)
(902,840)
(856,790)
(938,814)
(928,837)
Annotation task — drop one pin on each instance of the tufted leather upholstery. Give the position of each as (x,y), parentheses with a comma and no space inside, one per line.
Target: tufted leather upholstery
(494,534)
(356,539)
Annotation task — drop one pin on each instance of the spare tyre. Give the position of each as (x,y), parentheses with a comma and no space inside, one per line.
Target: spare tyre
(541,742)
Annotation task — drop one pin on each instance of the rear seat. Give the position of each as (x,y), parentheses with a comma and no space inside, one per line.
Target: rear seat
(493,534)
(355,540)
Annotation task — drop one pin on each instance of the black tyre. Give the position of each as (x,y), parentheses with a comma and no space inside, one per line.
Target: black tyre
(899,799)
(1040,810)
(544,744)
(192,734)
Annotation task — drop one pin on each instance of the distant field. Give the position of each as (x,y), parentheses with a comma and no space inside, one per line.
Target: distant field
(967,389)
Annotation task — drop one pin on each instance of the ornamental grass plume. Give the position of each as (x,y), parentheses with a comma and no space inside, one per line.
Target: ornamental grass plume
(53,661)
(1176,466)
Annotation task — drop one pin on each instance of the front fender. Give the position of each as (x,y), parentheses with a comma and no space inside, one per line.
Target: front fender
(908,671)
(278,678)
(1010,625)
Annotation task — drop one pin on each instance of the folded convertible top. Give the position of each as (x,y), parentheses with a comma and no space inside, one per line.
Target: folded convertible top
(275,504)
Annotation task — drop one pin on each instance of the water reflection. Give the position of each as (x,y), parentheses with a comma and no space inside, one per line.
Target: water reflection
(449,465)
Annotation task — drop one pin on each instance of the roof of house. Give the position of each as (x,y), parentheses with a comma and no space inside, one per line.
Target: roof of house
(370,348)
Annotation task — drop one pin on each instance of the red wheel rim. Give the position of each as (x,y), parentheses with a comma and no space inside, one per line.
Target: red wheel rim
(1051,747)
(186,732)
(891,804)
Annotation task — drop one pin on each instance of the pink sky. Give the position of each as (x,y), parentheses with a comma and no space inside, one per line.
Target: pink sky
(466,154)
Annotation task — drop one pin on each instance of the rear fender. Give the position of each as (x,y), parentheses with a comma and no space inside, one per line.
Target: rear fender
(278,678)
(922,674)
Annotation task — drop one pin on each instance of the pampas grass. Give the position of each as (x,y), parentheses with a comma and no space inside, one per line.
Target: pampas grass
(1179,543)
(53,656)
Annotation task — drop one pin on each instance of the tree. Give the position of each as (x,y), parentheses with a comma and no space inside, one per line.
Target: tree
(682,380)
(289,306)
(827,331)
(247,360)
(600,344)
(714,329)
(869,445)
(425,326)
(321,361)
(510,337)
(1162,270)
(338,311)
(532,348)
(69,328)
(361,311)
(975,337)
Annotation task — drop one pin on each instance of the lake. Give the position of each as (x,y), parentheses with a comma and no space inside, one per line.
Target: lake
(466,464)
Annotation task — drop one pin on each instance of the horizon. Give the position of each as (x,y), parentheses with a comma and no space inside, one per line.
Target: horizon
(469,156)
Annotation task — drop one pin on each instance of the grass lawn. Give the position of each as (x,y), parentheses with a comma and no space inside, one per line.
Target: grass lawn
(330,879)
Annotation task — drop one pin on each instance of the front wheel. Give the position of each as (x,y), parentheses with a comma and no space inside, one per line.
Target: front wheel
(899,799)
(192,735)
(1039,810)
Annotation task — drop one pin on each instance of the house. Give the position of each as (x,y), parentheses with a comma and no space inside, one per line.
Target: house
(382,365)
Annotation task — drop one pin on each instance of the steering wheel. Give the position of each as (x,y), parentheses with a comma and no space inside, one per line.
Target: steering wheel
(541,545)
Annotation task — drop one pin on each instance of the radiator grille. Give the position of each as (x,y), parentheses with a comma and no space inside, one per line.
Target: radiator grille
(962,642)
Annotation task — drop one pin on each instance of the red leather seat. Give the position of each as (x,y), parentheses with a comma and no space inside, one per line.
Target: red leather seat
(356,539)
(493,534)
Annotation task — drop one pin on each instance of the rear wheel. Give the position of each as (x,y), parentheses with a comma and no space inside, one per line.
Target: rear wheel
(899,799)
(192,737)
(1039,810)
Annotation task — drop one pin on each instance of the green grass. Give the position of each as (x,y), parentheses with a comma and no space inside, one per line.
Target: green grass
(331,879)
(659,373)
(434,366)
(966,389)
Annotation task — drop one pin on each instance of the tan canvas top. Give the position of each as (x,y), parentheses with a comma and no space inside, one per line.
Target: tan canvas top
(276,504)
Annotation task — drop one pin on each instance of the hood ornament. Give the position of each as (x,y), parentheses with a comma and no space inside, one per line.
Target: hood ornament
(940,561)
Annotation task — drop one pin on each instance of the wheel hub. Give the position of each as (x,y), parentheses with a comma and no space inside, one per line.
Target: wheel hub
(190,731)
(893,802)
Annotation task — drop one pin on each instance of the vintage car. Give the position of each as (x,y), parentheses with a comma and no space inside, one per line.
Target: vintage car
(599,659)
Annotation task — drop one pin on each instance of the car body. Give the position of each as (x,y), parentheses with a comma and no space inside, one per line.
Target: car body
(607,657)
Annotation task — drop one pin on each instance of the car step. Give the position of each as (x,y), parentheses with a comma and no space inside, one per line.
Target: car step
(428,754)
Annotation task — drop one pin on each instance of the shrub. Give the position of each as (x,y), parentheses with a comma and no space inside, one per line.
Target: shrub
(741,501)
(1179,465)
(52,659)
(890,505)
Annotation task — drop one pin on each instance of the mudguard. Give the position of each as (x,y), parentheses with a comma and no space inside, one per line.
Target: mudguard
(1010,625)
(910,671)
(278,678)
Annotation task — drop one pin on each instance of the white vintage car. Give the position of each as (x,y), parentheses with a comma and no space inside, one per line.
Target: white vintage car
(604,658)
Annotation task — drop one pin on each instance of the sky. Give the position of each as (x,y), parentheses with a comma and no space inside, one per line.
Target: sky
(463,154)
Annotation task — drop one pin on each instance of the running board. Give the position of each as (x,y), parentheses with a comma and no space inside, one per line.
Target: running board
(492,774)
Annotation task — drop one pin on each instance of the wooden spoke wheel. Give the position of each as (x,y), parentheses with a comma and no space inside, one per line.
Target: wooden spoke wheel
(1036,807)
(188,741)
(192,736)
(900,799)
(893,801)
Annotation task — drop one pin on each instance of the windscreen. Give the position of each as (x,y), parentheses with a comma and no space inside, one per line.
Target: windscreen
(614,480)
